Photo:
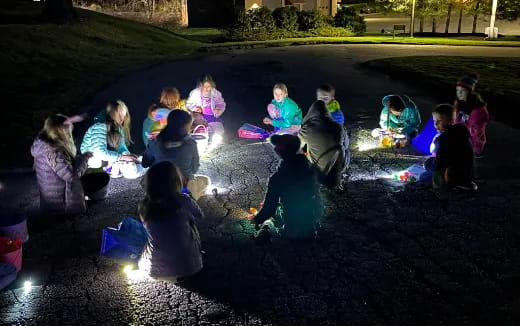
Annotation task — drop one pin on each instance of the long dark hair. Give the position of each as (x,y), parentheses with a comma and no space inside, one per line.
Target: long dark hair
(473,101)
(163,183)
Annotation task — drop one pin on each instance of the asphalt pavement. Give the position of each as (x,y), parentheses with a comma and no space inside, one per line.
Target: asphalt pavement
(389,253)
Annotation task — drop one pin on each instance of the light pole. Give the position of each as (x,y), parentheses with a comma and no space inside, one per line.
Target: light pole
(412,22)
(492,33)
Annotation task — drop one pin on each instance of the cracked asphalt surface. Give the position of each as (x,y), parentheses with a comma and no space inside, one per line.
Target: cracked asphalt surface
(388,254)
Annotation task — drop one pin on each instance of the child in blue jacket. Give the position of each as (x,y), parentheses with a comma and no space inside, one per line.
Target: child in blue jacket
(327,93)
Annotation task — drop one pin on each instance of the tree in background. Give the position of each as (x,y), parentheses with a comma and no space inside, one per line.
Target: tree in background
(448,17)
(508,9)
(149,6)
(475,8)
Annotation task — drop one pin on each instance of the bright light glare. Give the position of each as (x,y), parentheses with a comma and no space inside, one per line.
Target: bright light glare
(127,269)
(255,6)
(216,139)
(366,146)
(211,190)
(136,274)
(27,285)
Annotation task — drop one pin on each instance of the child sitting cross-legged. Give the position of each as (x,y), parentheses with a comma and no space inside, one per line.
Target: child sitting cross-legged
(292,199)
(175,144)
(284,114)
(170,219)
(452,163)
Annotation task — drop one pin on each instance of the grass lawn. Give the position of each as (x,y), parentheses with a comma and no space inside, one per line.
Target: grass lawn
(52,68)
(373,40)
(499,82)
(201,34)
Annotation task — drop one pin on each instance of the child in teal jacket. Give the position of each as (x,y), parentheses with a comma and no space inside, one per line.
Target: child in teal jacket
(284,114)
(400,113)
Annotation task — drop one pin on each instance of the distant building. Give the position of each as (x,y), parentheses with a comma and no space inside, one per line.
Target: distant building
(217,13)
(328,7)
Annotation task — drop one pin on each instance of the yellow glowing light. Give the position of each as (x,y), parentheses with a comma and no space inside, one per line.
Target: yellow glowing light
(128,268)
(255,6)
(137,275)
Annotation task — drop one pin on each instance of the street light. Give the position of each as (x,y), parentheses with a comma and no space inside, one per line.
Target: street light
(412,23)
(491,33)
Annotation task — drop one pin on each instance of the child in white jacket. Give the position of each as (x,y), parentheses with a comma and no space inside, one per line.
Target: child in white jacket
(208,101)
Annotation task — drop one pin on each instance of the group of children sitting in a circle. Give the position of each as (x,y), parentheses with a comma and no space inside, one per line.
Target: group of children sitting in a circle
(313,149)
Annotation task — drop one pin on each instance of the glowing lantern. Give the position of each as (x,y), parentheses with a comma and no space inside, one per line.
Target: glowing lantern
(386,142)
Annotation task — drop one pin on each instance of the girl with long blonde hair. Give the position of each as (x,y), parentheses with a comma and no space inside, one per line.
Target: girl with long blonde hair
(58,168)
(108,139)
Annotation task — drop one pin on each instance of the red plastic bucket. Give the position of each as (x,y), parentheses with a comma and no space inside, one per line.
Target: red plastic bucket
(11,252)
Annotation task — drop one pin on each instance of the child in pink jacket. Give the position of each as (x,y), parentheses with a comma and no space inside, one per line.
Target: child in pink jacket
(472,112)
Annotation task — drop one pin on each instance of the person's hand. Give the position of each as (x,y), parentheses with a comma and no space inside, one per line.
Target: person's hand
(128,158)
(268,121)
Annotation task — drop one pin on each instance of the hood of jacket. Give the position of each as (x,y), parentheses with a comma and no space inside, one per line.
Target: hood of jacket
(318,118)
(176,142)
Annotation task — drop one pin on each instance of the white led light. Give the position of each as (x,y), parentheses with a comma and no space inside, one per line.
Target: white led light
(27,285)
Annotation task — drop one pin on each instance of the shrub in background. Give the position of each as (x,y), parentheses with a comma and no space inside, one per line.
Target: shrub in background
(330,31)
(286,18)
(242,28)
(286,22)
(311,19)
(262,20)
(347,17)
